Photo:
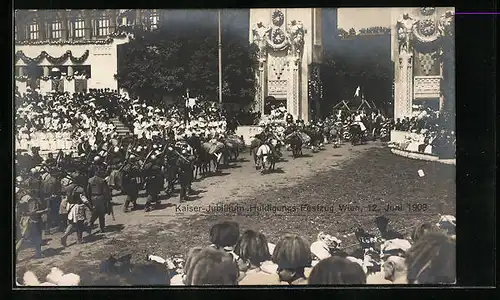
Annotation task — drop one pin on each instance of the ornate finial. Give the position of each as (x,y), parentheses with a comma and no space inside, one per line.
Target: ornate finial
(427,11)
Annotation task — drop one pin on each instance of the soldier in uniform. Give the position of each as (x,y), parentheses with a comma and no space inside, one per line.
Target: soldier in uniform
(185,169)
(36,159)
(154,182)
(130,186)
(51,193)
(170,169)
(30,212)
(100,196)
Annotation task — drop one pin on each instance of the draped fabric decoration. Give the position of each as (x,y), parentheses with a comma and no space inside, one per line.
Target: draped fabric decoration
(315,84)
(120,32)
(53,60)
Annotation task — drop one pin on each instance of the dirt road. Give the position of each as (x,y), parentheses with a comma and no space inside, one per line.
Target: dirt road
(320,179)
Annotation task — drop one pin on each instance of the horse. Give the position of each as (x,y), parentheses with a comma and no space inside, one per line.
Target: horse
(233,145)
(356,134)
(264,157)
(316,138)
(254,145)
(335,135)
(295,141)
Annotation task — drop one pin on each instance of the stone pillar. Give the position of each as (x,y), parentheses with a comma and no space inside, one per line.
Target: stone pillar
(46,71)
(262,85)
(21,71)
(404,86)
(293,90)
(442,84)
(69,85)
(45,86)
(70,70)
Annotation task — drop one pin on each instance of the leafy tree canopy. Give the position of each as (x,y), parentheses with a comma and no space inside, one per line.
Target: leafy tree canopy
(169,61)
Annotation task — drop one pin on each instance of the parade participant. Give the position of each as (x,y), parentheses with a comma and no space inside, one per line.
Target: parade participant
(76,214)
(130,186)
(185,173)
(100,196)
(30,210)
(51,194)
(36,159)
(50,162)
(154,182)
(170,168)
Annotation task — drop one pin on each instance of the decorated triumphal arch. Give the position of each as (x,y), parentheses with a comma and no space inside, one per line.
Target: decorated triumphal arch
(289,43)
(423,56)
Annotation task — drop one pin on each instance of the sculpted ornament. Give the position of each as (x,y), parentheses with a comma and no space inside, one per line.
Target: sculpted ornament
(404,29)
(427,27)
(260,36)
(278,18)
(446,24)
(427,11)
(296,34)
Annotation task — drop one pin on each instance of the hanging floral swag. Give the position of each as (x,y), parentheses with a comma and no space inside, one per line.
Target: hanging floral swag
(51,59)
(22,78)
(108,40)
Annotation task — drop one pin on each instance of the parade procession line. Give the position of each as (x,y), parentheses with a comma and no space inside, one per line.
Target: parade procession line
(166,232)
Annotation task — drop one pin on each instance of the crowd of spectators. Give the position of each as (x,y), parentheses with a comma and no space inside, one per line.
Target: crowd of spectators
(426,256)
(428,133)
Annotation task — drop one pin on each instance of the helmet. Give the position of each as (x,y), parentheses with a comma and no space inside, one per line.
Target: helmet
(97,158)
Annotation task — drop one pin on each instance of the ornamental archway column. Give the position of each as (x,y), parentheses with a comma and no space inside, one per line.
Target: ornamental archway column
(262,85)
(293,88)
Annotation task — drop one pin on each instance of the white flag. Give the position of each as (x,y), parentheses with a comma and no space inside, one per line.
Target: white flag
(356,94)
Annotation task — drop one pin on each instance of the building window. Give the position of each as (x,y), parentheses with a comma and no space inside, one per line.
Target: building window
(33,32)
(56,30)
(15,33)
(103,25)
(79,28)
(154,19)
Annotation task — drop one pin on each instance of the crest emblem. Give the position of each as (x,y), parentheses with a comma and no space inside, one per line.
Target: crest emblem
(278,18)
(427,27)
(278,36)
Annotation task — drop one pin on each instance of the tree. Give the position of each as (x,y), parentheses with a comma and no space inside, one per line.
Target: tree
(173,60)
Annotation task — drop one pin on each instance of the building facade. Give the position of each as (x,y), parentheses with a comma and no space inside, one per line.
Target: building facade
(73,50)
(289,42)
(422,50)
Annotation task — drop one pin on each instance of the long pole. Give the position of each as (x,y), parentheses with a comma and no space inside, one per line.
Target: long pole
(220,62)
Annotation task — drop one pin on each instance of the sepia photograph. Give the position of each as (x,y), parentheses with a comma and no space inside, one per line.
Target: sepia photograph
(234,147)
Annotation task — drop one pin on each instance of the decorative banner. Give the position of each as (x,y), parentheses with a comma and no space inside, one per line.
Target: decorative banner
(53,60)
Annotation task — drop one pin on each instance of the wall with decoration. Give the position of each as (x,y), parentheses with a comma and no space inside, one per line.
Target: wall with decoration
(100,55)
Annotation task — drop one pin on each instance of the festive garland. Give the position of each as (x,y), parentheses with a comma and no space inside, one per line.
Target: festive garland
(120,32)
(277,47)
(22,78)
(108,40)
(53,60)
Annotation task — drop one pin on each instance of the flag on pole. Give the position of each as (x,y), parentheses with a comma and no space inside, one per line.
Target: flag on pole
(356,94)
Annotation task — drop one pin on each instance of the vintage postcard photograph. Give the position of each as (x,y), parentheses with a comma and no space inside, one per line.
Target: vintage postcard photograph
(235,147)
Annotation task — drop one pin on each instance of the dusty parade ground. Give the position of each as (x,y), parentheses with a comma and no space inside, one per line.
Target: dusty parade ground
(335,191)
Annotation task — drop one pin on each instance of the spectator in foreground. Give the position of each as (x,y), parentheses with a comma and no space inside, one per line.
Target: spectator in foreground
(212,267)
(422,229)
(179,279)
(337,271)
(292,254)
(224,236)
(432,260)
(254,260)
